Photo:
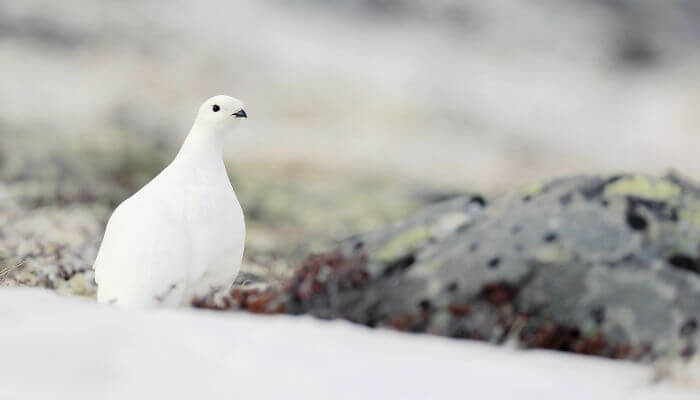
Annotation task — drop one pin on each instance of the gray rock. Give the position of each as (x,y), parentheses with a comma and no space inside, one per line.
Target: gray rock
(597,265)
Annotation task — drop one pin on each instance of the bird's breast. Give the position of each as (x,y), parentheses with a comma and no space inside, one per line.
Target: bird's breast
(215,222)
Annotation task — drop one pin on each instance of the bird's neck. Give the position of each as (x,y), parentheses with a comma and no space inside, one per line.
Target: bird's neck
(201,148)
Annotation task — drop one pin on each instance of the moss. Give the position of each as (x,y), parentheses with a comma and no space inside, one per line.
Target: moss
(402,244)
(643,187)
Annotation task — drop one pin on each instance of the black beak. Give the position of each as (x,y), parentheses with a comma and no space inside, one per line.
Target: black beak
(240,114)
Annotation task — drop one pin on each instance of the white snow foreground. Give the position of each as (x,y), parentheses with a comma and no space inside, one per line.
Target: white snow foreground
(57,347)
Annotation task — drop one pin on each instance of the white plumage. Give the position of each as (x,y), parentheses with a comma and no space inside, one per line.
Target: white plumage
(183,233)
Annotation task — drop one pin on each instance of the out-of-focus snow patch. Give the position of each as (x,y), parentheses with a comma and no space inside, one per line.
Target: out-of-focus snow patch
(61,347)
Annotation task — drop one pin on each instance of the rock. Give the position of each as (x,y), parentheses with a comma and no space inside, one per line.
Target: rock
(604,265)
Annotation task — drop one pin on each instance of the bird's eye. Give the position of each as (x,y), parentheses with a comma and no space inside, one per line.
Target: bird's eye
(216,108)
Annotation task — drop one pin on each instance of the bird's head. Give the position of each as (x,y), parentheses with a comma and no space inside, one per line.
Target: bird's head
(220,113)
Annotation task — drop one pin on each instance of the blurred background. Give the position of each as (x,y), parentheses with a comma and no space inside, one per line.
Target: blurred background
(360,111)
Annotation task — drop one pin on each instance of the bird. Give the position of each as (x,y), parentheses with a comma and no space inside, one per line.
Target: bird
(181,235)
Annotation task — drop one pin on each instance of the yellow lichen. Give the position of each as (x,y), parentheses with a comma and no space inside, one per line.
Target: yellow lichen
(79,285)
(552,254)
(643,187)
(426,269)
(403,244)
(691,214)
(430,266)
(533,189)
(449,223)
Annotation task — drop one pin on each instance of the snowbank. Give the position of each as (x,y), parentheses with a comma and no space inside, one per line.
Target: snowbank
(57,347)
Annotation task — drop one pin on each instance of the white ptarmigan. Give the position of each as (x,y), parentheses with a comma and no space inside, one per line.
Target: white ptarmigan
(183,233)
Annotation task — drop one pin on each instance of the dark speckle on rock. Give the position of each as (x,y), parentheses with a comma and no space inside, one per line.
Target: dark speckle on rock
(689,328)
(565,199)
(685,262)
(635,221)
(478,200)
(598,314)
(550,237)
(452,286)
(400,264)
(673,214)
(462,228)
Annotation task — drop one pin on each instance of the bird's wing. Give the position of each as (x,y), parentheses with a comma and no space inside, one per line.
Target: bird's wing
(144,255)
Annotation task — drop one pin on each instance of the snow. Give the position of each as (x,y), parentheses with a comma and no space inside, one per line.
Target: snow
(60,347)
